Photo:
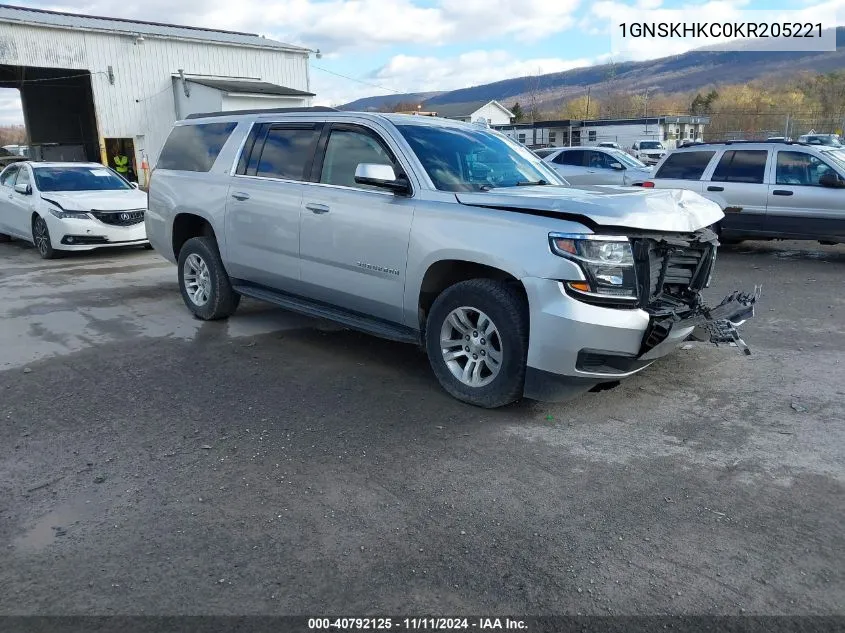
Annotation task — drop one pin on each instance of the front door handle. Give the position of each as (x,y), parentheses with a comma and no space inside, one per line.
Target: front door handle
(781,192)
(715,188)
(313,207)
(240,195)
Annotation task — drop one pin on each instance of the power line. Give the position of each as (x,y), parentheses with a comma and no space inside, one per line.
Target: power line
(32,81)
(360,81)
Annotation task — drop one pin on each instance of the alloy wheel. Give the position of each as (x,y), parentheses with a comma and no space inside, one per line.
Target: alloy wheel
(471,346)
(197,279)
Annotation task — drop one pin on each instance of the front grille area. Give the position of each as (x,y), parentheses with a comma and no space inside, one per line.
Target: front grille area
(672,267)
(120,218)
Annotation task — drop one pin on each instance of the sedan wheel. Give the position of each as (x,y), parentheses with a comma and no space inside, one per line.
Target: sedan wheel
(41,238)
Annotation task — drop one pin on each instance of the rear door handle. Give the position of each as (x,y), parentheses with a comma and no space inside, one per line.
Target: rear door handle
(240,195)
(781,192)
(313,207)
(714,188)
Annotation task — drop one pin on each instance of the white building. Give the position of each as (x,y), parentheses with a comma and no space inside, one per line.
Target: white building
(491,111)
(667,129)
(92,87)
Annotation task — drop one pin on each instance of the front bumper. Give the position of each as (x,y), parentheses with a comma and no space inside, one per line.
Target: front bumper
(575,347)
(72,234)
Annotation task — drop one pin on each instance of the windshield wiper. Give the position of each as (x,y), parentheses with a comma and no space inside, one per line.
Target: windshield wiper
(528,183)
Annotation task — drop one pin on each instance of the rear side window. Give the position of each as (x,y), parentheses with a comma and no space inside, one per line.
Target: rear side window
(575,157)
(287,153)
(741,166)
(194,147)
(684,165)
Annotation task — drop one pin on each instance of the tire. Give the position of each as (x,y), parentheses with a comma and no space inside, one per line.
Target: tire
(41,239)
(204,282)
(477,300)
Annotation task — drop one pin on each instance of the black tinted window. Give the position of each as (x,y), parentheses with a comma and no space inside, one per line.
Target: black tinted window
(287,153)
(684,165)
(575,157)
(741,166)
(194,147)
(345,151)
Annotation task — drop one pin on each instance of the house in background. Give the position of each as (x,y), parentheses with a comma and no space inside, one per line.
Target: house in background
(491,111)
(669,130)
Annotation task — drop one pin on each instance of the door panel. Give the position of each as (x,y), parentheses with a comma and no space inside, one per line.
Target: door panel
(264,205)
(354,239)
(21,207)
(798,205)
(738,185)
(7,181)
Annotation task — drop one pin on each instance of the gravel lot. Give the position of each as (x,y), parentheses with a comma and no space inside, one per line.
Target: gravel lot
(154,464)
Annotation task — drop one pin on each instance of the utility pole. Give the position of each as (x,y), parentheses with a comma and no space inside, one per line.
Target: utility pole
(786,128)
(645,111)
(587,115)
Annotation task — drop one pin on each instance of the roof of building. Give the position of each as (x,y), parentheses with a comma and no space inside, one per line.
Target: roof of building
(59,19)
(249,87)
(652,120)
(462,110)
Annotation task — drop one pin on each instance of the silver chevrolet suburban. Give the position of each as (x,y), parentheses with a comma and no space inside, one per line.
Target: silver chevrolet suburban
(439,233)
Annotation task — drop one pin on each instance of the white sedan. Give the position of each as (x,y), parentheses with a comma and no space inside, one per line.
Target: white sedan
(596,166)
(70,207)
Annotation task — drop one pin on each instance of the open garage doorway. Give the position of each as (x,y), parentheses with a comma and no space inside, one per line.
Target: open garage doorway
(58,111)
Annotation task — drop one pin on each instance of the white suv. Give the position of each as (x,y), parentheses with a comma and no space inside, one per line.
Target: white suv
(648,151)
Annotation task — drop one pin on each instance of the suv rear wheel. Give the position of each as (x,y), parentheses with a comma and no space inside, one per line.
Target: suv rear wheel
(204,282)
(477,342)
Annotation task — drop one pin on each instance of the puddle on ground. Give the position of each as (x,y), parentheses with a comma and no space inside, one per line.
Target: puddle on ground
(55,525)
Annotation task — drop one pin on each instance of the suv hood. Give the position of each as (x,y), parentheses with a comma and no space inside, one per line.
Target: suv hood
(98,200)
(665,210)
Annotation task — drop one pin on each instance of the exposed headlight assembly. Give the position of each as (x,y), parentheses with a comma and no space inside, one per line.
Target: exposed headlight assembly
(64,215)
(607,262)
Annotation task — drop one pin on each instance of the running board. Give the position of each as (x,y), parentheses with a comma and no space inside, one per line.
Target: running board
(353,320)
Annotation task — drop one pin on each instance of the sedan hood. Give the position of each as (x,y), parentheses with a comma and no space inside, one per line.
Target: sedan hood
(665,210)
(98,200)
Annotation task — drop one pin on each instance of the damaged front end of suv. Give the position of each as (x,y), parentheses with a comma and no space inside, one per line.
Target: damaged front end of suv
(662,274)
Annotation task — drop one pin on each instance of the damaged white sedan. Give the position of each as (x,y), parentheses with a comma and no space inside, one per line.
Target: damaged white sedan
(70,206)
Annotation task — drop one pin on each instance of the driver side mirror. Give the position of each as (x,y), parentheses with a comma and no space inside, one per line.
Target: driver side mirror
(134,185)
(828,179)
(617,166)
(382,176)
(25,190)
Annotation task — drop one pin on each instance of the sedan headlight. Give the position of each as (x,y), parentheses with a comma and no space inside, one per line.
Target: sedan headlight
(64,215)
(607,262)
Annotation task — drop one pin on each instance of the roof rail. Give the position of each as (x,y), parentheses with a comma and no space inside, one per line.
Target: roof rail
(742,142)
(208,115)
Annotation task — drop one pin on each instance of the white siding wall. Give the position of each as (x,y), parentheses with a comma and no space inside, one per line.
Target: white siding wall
(492,113)
(141,101)
(251,102)
(625,135)
(199,98)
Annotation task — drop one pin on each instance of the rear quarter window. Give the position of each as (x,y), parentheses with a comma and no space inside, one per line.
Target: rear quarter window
(684,165)
(747,166)
(194,147)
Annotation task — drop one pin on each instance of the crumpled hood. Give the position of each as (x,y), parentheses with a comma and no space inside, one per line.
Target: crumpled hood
(669,210)
(98,200)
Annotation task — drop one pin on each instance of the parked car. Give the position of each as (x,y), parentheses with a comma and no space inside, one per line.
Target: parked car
(610,144)
(767,190)
(648,152)
(7,157)
(775,139)
(832,140)
(597,166)
(438,233)
(70,207)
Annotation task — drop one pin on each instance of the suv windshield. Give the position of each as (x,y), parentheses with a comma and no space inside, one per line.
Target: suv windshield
(468,159)
(78,179)
(650,145)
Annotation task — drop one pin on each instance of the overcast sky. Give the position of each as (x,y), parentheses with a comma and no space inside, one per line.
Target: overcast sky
(420,45)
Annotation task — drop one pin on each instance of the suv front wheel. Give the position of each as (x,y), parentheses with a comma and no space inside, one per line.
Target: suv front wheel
(204,282)
(477,342)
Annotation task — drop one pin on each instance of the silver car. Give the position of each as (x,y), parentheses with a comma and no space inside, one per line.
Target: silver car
(439,233)
(771,190)
(596,166)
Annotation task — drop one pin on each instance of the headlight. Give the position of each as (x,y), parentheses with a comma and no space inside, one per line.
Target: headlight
(607,262)
(64,215)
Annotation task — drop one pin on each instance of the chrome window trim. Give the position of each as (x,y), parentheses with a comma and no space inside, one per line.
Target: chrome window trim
(234,168)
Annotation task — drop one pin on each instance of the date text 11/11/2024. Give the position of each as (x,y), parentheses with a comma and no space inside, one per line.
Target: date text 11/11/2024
(416,624)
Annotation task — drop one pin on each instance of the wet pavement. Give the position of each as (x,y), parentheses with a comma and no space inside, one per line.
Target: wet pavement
(152,463)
